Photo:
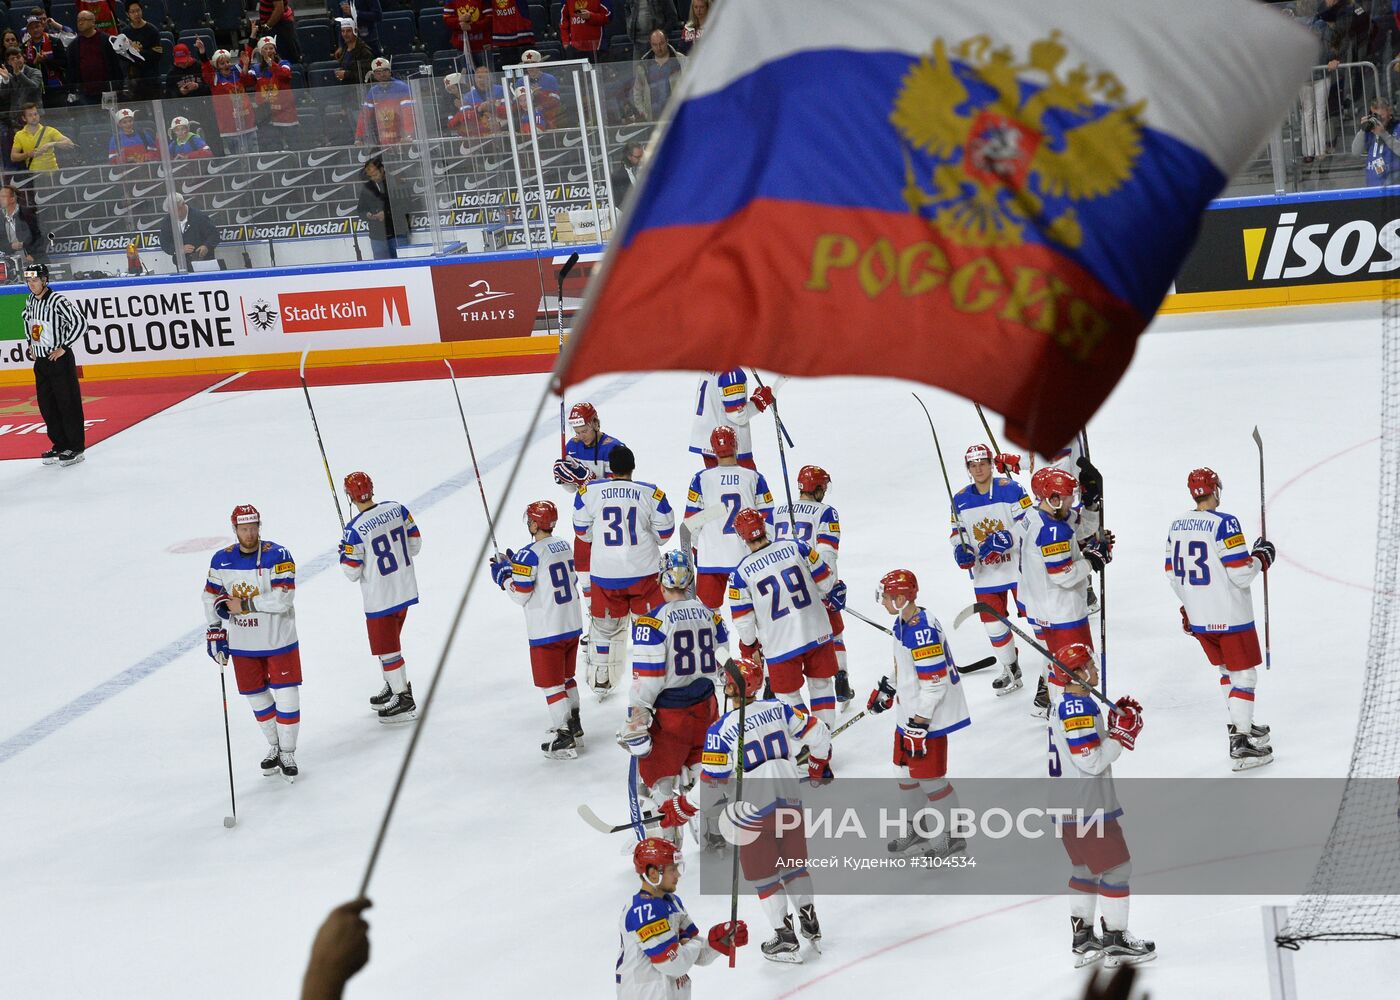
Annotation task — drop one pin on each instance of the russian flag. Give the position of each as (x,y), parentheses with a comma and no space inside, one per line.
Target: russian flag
(990,198)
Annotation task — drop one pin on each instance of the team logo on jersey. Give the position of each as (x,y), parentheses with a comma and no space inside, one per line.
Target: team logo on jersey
(1234,541)
(1024,502)
(693,497)
(644,621)
(1080,722)
(648,931)
(284,567)
(712,759)
(1055,549)
(657,494)
(928,652)
(737,389)
(262,315)
(242,590)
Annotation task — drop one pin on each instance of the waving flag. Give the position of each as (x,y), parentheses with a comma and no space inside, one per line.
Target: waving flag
(990,198)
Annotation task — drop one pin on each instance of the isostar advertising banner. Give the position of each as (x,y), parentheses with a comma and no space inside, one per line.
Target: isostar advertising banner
(1285,243)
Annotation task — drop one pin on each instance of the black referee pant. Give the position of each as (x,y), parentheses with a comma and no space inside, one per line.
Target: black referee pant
(60,401)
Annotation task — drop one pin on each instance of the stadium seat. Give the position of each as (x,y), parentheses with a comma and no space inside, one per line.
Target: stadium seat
(188,35)
(408,66)
(65,12)
(317,42)
(228,15)
(539,17)
(322,74)
(431,31)
(396,33)
(167,57)
(188,14)
(446,61)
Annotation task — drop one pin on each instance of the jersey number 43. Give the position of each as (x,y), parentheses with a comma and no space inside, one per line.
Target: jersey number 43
(1192,570)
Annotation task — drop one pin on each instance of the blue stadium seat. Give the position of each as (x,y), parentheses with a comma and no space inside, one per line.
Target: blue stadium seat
(65,12)
(396,33)
(188,35)
(188,14)
(322,74)
(446,61)
(228,15)
(167,57)
(408,66)
(431,31)
(316,40)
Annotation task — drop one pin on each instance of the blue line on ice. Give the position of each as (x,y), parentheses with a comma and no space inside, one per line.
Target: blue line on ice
(92,698)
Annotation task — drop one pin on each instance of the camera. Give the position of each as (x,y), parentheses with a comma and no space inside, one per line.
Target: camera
(1369,122)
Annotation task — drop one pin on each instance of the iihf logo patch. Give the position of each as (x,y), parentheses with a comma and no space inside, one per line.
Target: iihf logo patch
(262,315)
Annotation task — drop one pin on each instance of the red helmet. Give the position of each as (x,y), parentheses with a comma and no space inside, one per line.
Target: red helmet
(582,414)
(899,583)
(654,853)
(750,525)
(752,675)
(724,442)
(543,513)
(977,453)
(359,487)
(1202,483)
(245,513)
(1052,482)
(811,478)
(1074,657)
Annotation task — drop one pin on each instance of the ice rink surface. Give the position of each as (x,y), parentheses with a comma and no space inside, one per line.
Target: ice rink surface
(120,881)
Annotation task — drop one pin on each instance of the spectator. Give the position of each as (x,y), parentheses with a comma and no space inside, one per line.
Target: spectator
(387,114)
(695,24)
(185,144)
(34,144)
(275,18)
(364,16)
(104,13)
(61,31)
(230,82)
(340,950)
(511,31)
(198,234)
(20,229)
(648,15)
(95,67)
(538,77)
(44,53)
(53,325)
(374,208)
(474,117)
(131,145)
(10,40)
(1317,137)
(144,37)
(185,82)
(581,25)
(627,172)
(655,76)
(353,55)
(545,107)
(277,106)
(20,84)
(1377,141)
(472,17)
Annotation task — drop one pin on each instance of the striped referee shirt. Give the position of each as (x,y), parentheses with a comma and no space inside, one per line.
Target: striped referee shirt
(51,321)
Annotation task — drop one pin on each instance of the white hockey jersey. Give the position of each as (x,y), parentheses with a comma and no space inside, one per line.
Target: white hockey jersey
(775,595)
(817,524)
(722,400)
(659,944)
(976,515)
(926,678)
(1081,753)
(1054,573)
(378,550)
(1211,571)
(773,731)
(267,577)
(542,580)
(677,650)
(625,523)
(718,549)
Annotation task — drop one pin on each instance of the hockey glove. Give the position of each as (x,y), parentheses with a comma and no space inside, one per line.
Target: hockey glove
(762,398)
(1125,722)
(751,652)
(964,555)
(571,472)
(836,600)
(1007,463)
(1185,622)
(676,811)
(915,739)
(1263,551)
(997,543)
(1099,550)
(1090,484)
(725,937)
(635,735)
(500,568)
(819,770)
(221,606)
(217,640)
(881,698)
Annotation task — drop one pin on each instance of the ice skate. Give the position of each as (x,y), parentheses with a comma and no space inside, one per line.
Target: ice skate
(844,694)
(270,765)
(1087,947)
(50,457)
(576,726)
(782,946)
(810,926)
(1040,708)
(1093,597)
(1010,679)
(286,759)
(910,843)
(399,709)
(562,747)
(381,699)
(1121,948)
(947,847)
(1245,754)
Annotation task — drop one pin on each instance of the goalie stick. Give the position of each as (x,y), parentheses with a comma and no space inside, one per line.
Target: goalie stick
(1029,640)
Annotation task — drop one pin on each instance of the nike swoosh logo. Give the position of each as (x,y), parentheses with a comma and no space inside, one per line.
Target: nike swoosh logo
(301,213)
(413,153)
(225,201)
(141,192)
(272,199)
(315,160)
(289,179)
(323,194)
(572,140)
(347,210)
(89,195)
(44,199)
(243,218)
(343,175)
(418,189)
(195,187)
(556,156)
(578,175)
(265,164)
(473,185)
(65,178)
(105,226)
(622,136)
(215,167)
(75,213)
(112,175)
(498,164)
(242,185)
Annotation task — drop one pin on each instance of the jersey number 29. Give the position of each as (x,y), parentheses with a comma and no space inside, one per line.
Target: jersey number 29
(792,583)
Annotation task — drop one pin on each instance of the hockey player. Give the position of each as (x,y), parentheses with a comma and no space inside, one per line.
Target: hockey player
(380,543)
(676,652)
(727,485)
(817,523)
(985,512)
(775,599)
(722,400)
(928,690)
(250,587)
(1211,571)
(586,453)
(541,578)
(1056,565)
(1097,851)
(1073,460)
(774,862)
(659,943)
(619,528)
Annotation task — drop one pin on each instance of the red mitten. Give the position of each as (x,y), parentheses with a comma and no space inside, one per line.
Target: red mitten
(1007,462)
(762,398)
(725,937)
(1125,722)
(676,811)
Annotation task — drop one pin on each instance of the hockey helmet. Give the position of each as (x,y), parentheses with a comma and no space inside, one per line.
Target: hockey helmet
(581,415)
(1052,482)
(898,583)
(676,571)
(751,674)
(1202,483)
(1078,660)
(40,271)
(811,478)
(543,513)
(724,442)
(245,513)
(977,453)
(359,487)
(750,525)
(653,852)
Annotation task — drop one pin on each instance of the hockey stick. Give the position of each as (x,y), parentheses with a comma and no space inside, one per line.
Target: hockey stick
(330,480)
(559,322)
(787,484)
(996,448)
(1264,531)
(1029,640)
(475,468)
(759,379)
(595,821)
(1103,583)
(689,525)
(229,821)
(737,676)
(947,484)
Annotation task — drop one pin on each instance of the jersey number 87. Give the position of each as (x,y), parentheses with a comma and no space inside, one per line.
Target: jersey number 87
(383,550)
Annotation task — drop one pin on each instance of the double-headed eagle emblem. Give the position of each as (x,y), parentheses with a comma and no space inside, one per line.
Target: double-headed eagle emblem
(993,144)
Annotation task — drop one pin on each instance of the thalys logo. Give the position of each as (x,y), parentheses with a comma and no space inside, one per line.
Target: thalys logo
(994,143)
(1320,250)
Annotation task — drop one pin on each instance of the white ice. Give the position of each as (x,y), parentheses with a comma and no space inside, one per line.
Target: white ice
(120,881)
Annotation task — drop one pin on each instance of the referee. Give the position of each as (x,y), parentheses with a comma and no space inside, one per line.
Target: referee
(52,324)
